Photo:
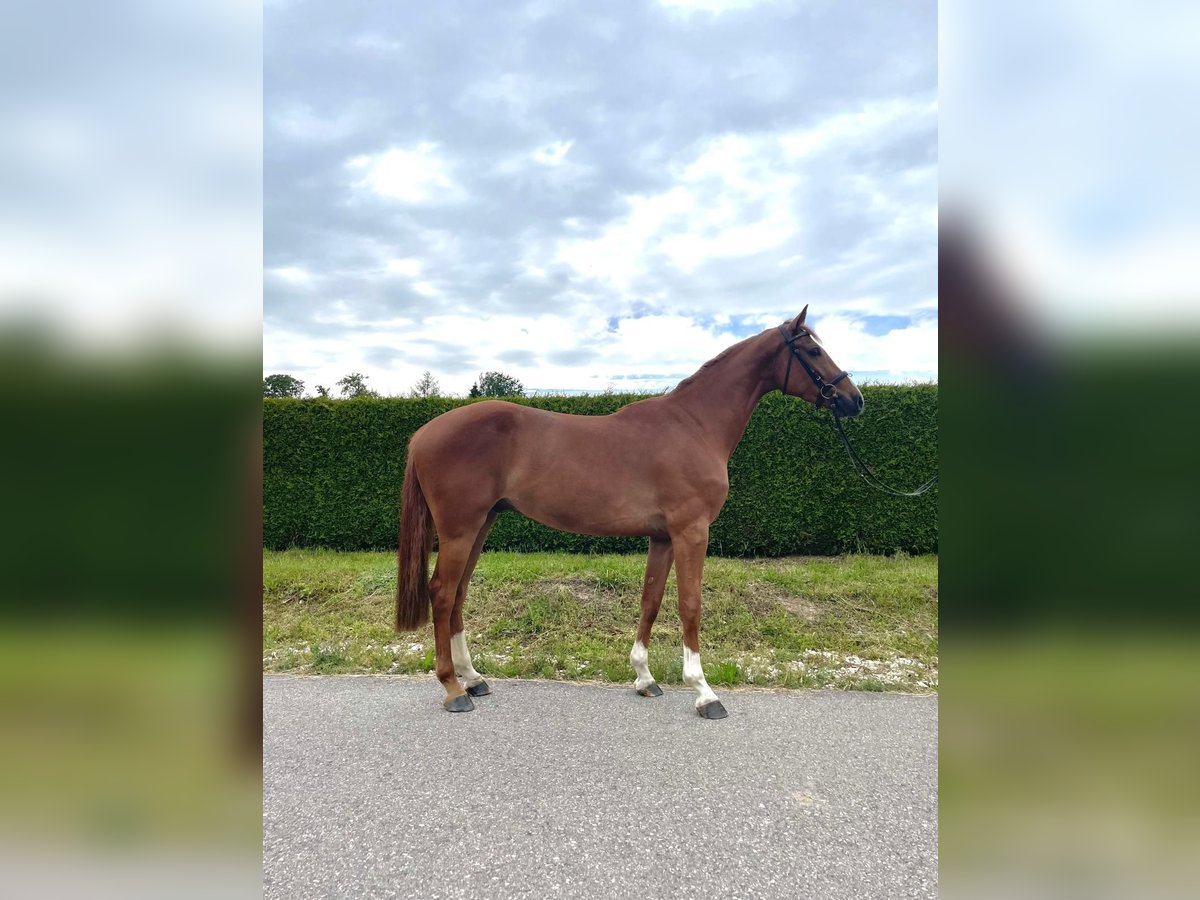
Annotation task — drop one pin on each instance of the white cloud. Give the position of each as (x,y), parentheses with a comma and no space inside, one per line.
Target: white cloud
(328,357)
(663,344)
(409,267)
(300,122)
(295,275)
(552,154)
(730,200)
(621,250)
(418,176)
(645,353)
(545,168)
(862,125)
(739,195)
(910,352)
(513,97)
(575,224)
(372,42)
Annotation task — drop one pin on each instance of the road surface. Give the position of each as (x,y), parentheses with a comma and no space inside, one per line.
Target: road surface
(568,790)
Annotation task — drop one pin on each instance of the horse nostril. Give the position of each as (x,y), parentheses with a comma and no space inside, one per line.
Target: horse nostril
(859,400)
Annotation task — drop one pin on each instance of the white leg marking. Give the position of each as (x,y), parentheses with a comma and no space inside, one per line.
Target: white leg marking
(693,676)
(462,660)
(638,657)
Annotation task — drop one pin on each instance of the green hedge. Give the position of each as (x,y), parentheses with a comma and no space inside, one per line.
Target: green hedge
(332,472)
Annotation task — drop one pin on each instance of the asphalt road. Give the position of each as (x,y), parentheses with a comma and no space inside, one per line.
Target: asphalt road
(568,790)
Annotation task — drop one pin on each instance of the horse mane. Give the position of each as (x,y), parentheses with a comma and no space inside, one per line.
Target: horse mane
(712,362)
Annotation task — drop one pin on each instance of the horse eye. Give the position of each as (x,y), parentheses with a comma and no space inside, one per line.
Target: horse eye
(814,352)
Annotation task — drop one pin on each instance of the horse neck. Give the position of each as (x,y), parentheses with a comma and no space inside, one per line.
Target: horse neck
(721,396)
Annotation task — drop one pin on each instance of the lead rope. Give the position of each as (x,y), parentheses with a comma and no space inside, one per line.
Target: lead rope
(867,475)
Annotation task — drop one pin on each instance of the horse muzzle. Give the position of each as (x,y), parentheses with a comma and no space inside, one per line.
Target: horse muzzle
(847,405)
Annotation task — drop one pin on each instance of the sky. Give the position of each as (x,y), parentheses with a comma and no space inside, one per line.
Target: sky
(595,196)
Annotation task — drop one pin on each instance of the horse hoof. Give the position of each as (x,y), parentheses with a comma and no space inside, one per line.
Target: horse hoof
(712,710)
(461,703)
(651,690)
(479,690)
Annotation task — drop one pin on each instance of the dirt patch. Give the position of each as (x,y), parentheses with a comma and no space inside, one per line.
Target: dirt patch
(776,563)
(763,596)
(801,607)
(587,593)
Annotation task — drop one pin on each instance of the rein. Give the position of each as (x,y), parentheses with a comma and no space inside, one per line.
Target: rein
(865,472)
(827,395)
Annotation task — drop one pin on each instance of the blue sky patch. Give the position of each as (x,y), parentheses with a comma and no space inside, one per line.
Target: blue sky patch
(878,325)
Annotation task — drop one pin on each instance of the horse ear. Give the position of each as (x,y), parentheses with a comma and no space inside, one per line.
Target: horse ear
(799,320)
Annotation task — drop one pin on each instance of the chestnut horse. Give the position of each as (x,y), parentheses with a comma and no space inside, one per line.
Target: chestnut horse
(657,468)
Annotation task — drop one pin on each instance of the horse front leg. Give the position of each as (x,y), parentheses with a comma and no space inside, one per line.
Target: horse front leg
(658,566)
(690,546)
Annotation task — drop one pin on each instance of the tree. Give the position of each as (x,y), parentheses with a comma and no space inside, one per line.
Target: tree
(322,391)
(355,385)
(497,384)
(282,386)
(427,386)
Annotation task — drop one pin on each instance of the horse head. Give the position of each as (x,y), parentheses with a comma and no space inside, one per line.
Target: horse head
(817,378)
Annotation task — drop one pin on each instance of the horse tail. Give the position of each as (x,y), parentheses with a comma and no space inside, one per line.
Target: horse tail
(416,540)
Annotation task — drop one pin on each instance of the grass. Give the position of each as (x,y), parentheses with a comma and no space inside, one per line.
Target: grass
(855,622)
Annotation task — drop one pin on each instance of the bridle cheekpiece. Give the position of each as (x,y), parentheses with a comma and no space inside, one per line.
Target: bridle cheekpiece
(827,390)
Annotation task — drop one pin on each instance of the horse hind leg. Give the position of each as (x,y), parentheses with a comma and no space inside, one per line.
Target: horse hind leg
(463,667)
(658,566)
(453,555)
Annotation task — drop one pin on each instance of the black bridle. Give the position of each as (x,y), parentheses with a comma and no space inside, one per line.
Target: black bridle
(826,390)
(826,396)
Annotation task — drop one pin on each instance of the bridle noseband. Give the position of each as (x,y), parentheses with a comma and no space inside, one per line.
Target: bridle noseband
(826,390)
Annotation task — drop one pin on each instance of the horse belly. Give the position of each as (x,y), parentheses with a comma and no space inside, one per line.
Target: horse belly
(574,499)
(603,523)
